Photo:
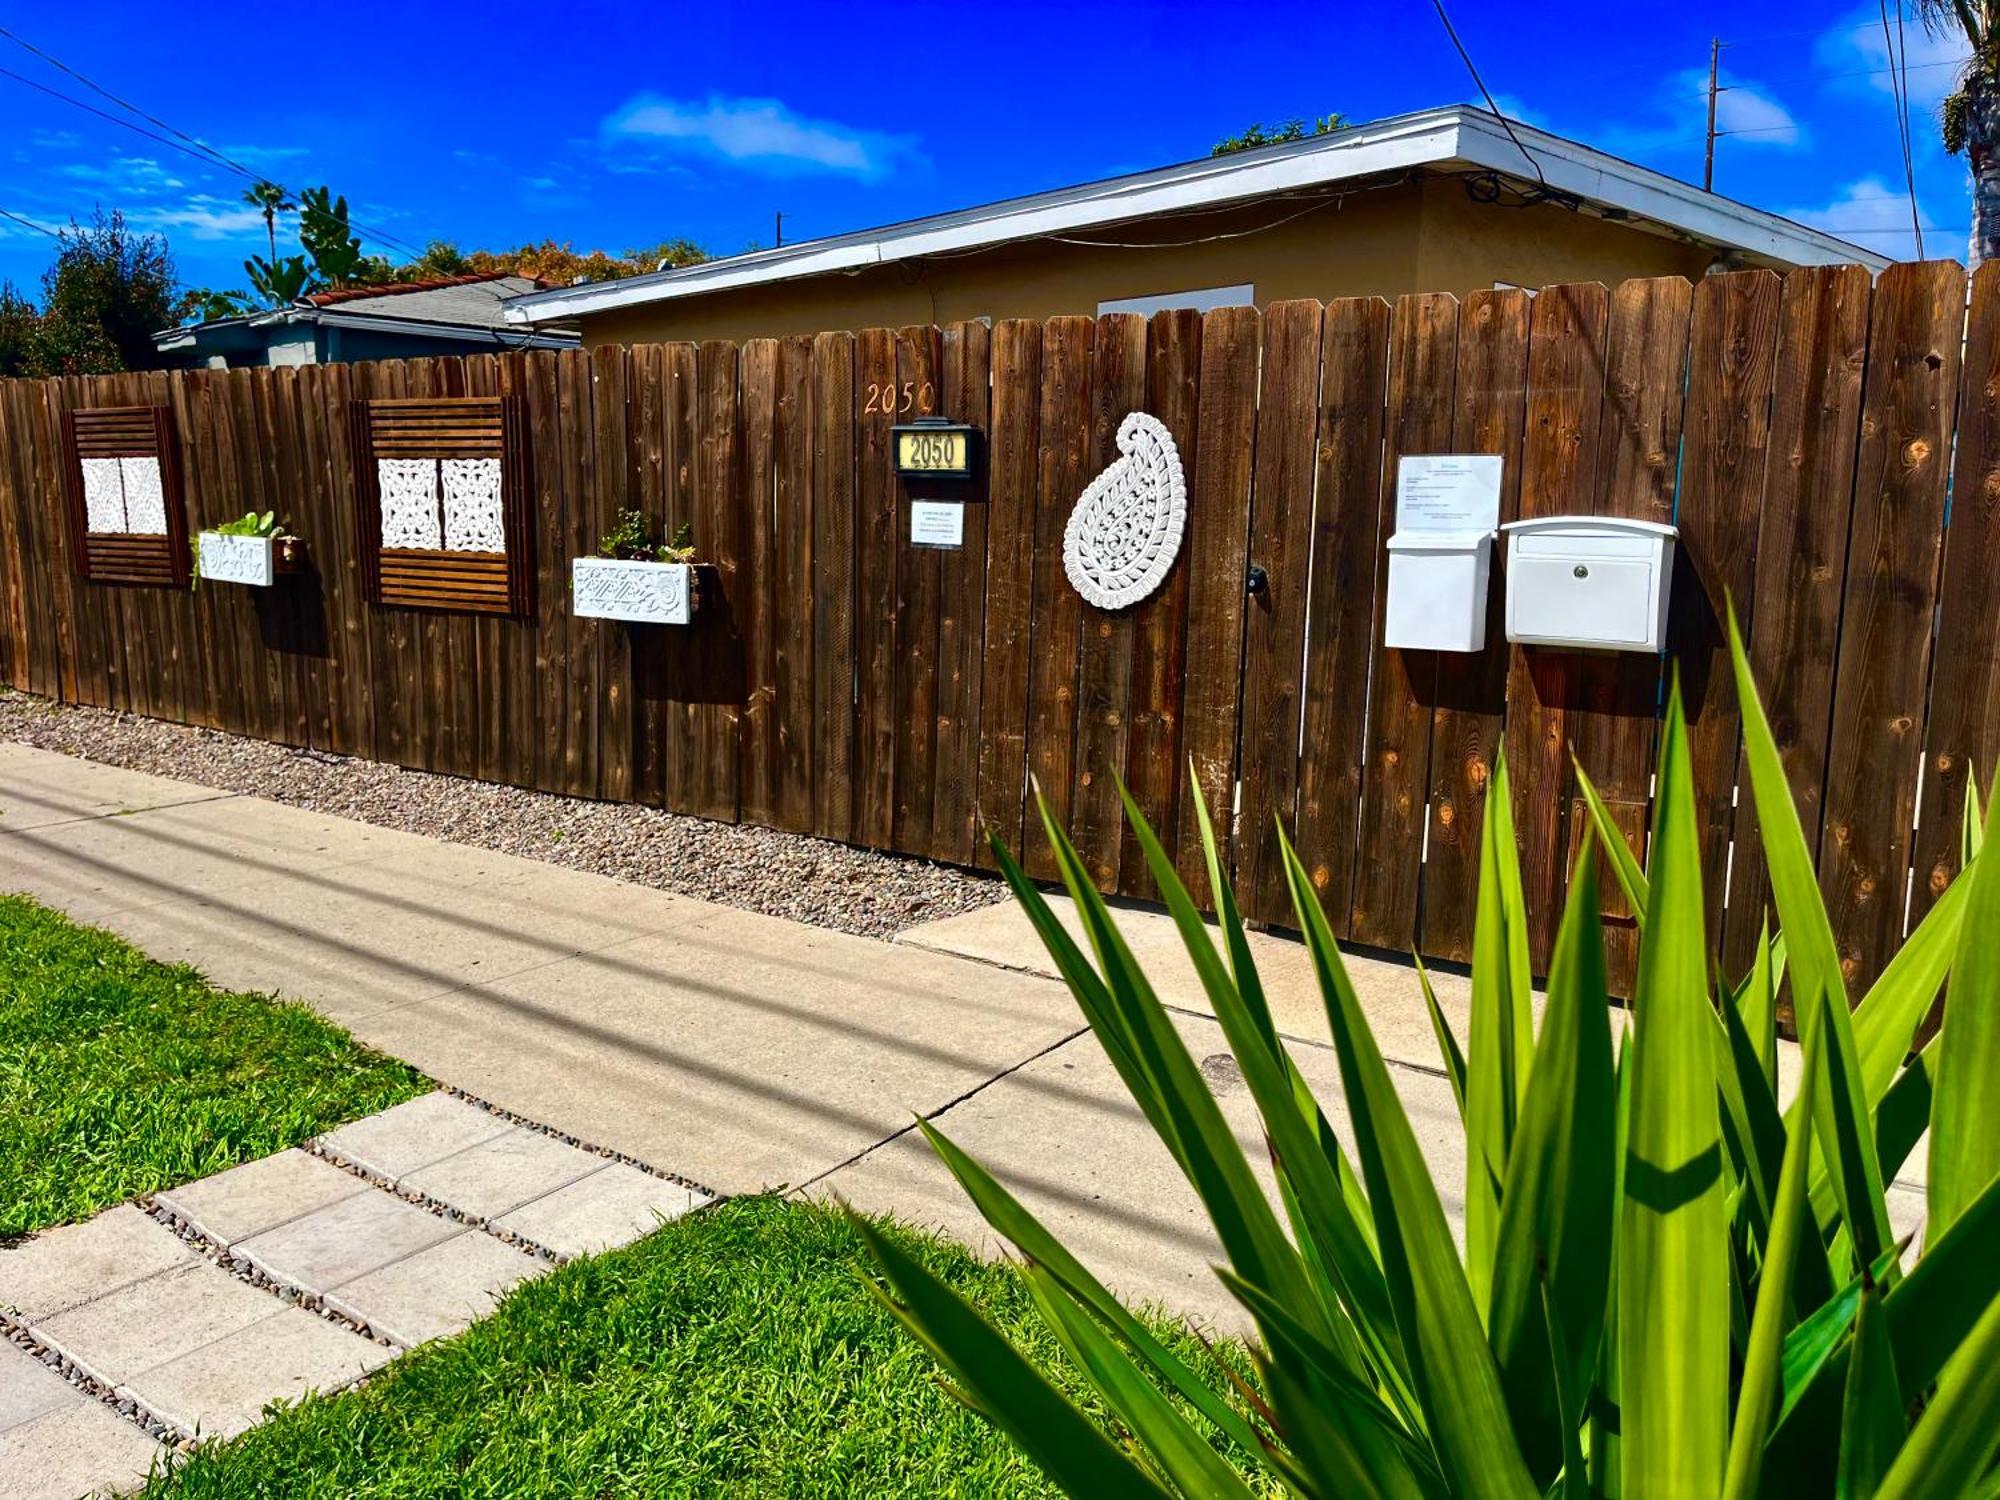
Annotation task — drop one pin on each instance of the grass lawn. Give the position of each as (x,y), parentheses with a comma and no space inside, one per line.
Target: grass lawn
(121,1076)
(734,1352)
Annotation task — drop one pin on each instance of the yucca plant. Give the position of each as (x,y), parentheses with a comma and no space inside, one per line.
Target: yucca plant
(1668,1288)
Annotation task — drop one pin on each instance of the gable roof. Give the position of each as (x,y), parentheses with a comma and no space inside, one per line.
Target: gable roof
(470,308)
(1457,137)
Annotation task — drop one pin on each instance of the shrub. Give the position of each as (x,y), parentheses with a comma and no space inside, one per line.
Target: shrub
(1668,1288)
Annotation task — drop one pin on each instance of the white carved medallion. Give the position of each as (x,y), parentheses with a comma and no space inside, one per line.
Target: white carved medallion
(408,489)
(472,505)
(649,593)
(1126,529)
(145,497)
(103,495)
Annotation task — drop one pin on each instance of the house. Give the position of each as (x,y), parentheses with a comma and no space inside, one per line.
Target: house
(1444,200)
(450,315)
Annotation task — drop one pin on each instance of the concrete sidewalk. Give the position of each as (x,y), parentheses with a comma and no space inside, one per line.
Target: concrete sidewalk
(741,1051)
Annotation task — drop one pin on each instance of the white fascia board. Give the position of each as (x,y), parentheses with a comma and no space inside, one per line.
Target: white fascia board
(1663,200)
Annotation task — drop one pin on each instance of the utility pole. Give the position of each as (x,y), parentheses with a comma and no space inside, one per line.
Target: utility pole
(1714,88)
(778,220)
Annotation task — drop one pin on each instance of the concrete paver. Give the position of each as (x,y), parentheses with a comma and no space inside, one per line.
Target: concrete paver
(413,1134)
(38,790)
(150,1322)
(223,1387)
(29,1388)
(331,1246)
(605,1210)
(438,1291)
(66,1267)
(260,1195)
(495,1176)
(86,1448)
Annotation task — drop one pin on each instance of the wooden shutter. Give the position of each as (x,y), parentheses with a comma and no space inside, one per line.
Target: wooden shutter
(499,583)
(122,556)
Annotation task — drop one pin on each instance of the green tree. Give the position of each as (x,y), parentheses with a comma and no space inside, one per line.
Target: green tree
(1971,123)
(1289,130)
(107,294)
(272,200)
(18,325)
(557,264)
(330,241)
(280,282)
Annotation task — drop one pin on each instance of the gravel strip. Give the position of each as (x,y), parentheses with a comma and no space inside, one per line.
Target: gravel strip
(125,1406)
(756,869)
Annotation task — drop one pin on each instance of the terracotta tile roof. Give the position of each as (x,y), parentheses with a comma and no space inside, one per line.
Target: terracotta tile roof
(400,288)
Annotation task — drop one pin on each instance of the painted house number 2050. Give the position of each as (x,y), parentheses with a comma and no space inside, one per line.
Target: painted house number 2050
(884,396)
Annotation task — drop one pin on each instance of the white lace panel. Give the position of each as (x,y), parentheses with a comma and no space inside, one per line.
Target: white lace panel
(1125,531)
(472,505)
(408,489)
(103,495)
(145,500)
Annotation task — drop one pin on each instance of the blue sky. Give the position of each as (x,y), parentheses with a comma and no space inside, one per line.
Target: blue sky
(618,126)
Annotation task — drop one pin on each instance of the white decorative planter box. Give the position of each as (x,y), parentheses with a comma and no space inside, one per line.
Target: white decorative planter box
(647,593)
(238,559)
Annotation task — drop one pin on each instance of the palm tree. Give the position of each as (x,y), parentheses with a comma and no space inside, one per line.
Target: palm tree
(1972,114)
(273,200)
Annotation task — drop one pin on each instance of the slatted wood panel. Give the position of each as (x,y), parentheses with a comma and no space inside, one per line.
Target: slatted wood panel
(135,431)
(837,680)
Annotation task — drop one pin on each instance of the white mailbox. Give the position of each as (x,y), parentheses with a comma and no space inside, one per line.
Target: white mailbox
(1589,583)
(1437,590)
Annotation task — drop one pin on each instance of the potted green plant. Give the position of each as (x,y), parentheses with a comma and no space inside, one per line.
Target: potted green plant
(634,577)
(254,549)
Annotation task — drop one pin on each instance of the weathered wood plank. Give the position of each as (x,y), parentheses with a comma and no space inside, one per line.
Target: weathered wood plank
(919,366)
(1469,721)
(1012,466)
(1559,468)
(1340,628)
(1732,360)
(1963,737)
(878,523)
(1104,640)
(756,609)
(1886,615)
(792,563)
(1218,558)
(1154,768)
(1063,471)
(1801,562)
(833,585)
(1395,786)
(964,396)
(720,528)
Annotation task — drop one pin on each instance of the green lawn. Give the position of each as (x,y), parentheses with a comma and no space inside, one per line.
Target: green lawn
(121,1076)
(735,1352)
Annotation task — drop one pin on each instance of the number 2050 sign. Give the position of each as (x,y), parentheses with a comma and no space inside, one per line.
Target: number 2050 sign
(934,450)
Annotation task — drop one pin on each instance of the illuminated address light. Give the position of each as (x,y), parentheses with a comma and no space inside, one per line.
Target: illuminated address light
(932,448)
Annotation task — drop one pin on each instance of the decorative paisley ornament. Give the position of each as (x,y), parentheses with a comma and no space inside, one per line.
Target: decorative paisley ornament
(1126,529)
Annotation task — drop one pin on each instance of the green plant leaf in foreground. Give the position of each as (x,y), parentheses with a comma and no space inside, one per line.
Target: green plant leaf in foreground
(1965,1109)
(1002,1384)
(1955,1439)
(1673,1243)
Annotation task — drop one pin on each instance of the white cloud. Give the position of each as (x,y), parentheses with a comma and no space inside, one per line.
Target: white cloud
(1857,55)
(204,217)
(759,134)
(1514,108)
(1745,110)
(263,155)
(133,176)
(1876,215)
(1747,114)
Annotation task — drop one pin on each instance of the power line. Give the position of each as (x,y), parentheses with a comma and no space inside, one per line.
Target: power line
(200,150)
(1466,58)
(41,228)
(1900,84)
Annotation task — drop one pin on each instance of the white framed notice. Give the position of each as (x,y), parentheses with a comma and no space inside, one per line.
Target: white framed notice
(1455,493)
(937,523)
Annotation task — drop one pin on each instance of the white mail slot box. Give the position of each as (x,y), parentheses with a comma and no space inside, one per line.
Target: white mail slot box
(1589,583)
(1437,590)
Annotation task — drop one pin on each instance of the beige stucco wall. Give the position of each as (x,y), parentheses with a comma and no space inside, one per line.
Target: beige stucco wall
(1417,236)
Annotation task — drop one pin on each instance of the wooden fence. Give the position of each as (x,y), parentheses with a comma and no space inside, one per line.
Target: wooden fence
(1804,432)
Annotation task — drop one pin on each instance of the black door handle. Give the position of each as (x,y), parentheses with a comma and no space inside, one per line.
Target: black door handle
(1256,581)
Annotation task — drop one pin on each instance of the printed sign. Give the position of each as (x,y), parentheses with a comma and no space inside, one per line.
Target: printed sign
(1448,492)
(937,523)
(647,593)
(236,559)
